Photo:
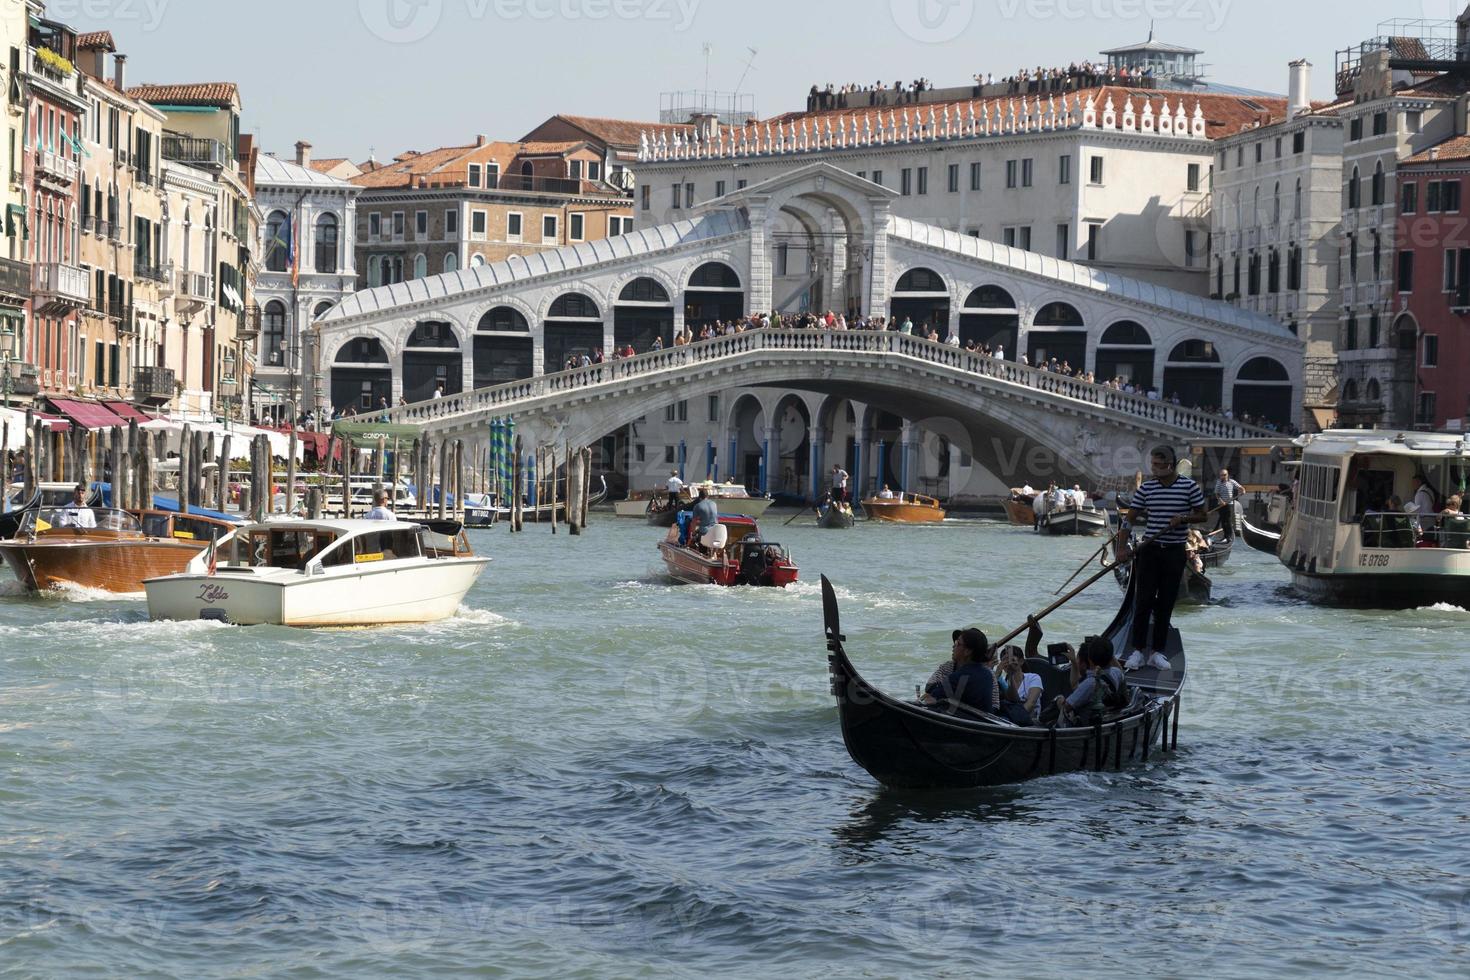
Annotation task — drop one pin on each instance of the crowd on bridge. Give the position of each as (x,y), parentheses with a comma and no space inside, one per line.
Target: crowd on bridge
(1025,81)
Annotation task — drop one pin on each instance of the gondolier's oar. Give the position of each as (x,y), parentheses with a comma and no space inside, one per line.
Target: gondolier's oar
(801,512)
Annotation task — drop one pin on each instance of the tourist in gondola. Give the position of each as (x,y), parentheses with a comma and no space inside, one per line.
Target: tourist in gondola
(968,681)
(1103,688)
(1020,692)
(1167,502)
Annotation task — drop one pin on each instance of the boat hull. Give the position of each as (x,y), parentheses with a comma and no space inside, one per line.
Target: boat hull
(905,513)
(1261,539)
(1389,591)
(1020,513)
(1079,522)
(630,508)
(111,566)
(421,592)
(695,568)
(831,517)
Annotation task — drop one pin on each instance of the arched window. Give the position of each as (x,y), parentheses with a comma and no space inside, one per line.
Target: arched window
(374,271)
(1256,208)
(321,310)
(477,259)
(1127,332)
(573,306)
(1263,369)
(273,333)
(1194,352)
(362,350)
(1276,204)
(276,246)
(989,298)
(920,281)
(1377,192)
(1354,190)
(1350,390)
(1296,206)
(1370,391)
(451,262)
(420,266)
(433,333)
(326,244)
(503,319)
(643,290)
(1058,315)
(714,275)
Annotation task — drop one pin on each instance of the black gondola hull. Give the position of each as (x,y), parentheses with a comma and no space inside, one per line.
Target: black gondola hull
(1260,538)
(831,517)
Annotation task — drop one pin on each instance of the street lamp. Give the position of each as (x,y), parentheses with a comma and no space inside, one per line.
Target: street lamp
(7,355)
(289,353)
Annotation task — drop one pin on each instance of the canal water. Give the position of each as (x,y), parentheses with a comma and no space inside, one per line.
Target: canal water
(592,771)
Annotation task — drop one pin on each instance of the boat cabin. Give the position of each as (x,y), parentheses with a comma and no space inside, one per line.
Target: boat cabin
(296,546)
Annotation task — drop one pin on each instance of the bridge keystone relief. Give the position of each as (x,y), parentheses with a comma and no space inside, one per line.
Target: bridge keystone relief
(498,336)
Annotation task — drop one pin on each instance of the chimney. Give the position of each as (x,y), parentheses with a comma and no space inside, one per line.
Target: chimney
(480,140)
(707,124)
(303,153)
(1462,115)
(1299,98)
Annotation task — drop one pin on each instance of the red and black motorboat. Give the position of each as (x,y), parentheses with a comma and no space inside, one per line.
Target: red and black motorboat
(746,559)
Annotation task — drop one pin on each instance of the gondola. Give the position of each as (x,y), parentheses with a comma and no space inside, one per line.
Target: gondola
(1219,552)
(1260,538)
(905,745)
(835,517)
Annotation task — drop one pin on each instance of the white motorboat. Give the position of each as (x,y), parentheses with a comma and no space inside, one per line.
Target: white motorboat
(290,572)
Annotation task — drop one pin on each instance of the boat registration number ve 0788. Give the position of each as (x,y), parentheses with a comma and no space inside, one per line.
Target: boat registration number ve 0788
(1373,560)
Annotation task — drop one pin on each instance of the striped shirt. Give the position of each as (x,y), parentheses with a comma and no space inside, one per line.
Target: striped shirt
(1164,503)
(1227,490)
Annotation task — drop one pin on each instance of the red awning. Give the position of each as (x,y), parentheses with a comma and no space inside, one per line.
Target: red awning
(127,412)
(89,415)
(54,423)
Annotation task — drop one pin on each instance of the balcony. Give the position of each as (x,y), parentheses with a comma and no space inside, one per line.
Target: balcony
(153,385)
(15,280)
(24,379)
(153,273)
(249,327)
(193,291)
(126,317)
(55,169)
(195,150)
(51,66)
(58,287)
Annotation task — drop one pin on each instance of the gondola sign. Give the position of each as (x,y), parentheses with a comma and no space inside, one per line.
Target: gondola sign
(368,433)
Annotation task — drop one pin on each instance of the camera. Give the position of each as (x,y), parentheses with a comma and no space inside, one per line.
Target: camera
(1055,650)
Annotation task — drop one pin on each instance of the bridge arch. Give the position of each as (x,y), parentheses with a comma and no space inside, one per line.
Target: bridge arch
(432,359)
(712,291)
(361,374)
(504,349)
(1263,389)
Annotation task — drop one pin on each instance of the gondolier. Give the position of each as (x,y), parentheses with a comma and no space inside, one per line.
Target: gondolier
(1168,502)
(839,483)
(1227,492)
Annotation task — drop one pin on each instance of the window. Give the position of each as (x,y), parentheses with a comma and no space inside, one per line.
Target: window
(574,169)
(375,225)
(492,175)
(678,192)
(1375,193)
(647,194)
(1450,199)
(1096,172)
(1191,248)
(719,188)
(1380,123)
(1294,268)
(1431,351)
(1278,147)
(420,266)
(1240,156)
(326,244)
(668,454)
(1018,236)
(877,177)
(905,181)
(1064,169)
(1026,172)
(714,408)
(513,226)
(1413,121)
(1273,272)
(953,184)
(398,225)
(619,225)
(638,452)
(475,175)
(1253,274)
(923,180)
(1451,262)
(740,184)
(1012,169)
(1427,409)
(1432,196)
(1191,178)
(689,195)
(1094,240)
(421,224)
(1355,129)
(1258,153)
(1298,142)
(1355,190)
(548,228)
(975,176)
(594,169)
(1410,199)
(478,223)
(1063,237)
(451,223)
(576,226)
(677,412)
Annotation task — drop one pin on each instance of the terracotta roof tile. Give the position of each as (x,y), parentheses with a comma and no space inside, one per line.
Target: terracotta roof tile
(1453,149)
(96,39)
(405,171)
(621,132)
(328,163)
(202,94)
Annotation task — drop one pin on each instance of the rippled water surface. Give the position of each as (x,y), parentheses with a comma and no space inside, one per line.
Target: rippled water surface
(592,771)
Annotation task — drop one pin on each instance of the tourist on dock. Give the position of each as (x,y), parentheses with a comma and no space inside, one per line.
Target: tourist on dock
(77,513)
(1168,502)
(1227,492)
(381,511)
(967,680)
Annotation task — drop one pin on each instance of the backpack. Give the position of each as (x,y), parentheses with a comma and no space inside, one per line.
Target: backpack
(1110,696)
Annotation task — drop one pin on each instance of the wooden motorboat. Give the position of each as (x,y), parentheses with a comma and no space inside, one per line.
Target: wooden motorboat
(289,572)
(905,508)
(636,503)
(108,549)
(1073,520)
(906,745)
(48,494)
(746,559)
(730,498)
(1260,538)
(832,515)
(1019,509)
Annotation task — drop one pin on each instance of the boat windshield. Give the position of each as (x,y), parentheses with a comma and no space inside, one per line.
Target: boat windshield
(71,519)
(376,546)
(284,548)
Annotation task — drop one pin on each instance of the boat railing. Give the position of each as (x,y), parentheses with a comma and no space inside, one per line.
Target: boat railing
(1382,530)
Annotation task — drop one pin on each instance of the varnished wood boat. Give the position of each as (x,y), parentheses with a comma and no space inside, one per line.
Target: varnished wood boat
(906,745)
(115,555)
(746,559)
(908,508)
(1019,510)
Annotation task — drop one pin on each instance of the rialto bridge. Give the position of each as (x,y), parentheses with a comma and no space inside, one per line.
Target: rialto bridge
(495,337)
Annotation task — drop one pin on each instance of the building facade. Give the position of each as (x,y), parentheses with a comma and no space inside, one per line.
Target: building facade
(18,375)
(458,207)
(308,265)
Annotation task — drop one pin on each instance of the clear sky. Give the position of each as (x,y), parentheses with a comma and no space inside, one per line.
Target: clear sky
(390,75)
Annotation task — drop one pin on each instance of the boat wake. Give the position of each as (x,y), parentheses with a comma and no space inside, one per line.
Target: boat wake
(72,592)
(480,617)
(1444,607)
(869,600)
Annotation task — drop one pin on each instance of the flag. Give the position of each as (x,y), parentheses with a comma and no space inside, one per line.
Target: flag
(293,258)
(213,554)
